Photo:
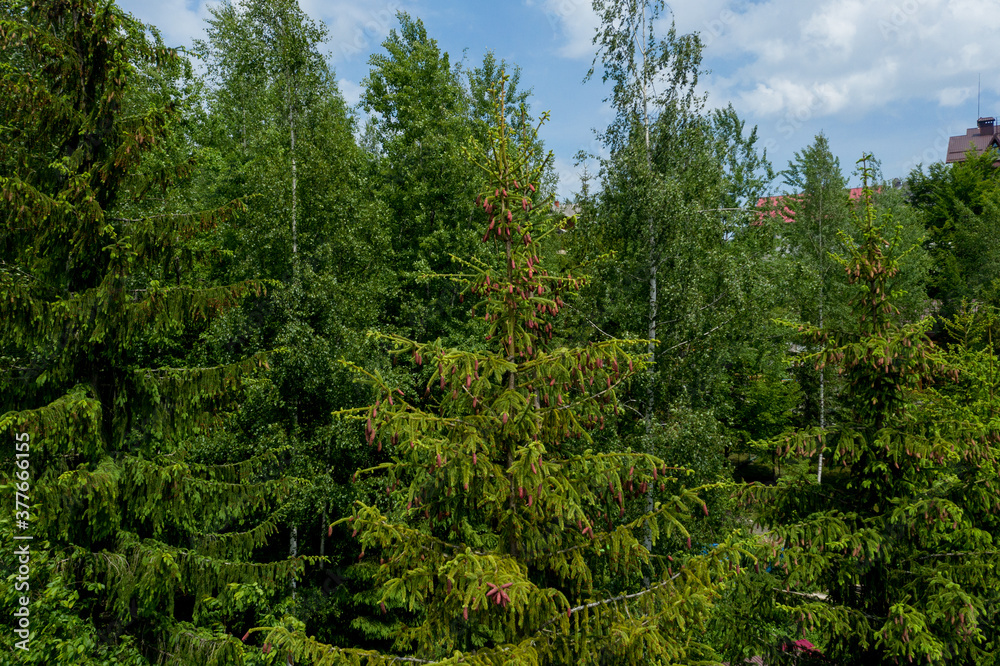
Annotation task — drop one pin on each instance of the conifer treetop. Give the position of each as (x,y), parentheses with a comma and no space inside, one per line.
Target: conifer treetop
(502,522)
(895,539)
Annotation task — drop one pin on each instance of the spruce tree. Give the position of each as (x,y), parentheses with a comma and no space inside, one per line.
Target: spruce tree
(504,536)
(138,543)
(893,558)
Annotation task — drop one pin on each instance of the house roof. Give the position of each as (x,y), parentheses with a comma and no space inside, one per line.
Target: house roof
(778,205)
(774,206)
(984,135)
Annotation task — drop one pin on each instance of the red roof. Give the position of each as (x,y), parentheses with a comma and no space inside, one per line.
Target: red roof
(774,206)
(982,137)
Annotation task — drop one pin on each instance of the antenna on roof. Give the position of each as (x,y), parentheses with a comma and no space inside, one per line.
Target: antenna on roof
(979,95)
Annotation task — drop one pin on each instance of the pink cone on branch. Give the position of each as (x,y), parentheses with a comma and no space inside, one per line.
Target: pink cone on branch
(514,370)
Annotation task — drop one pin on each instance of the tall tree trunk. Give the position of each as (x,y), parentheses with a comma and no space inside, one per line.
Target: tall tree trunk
(822,393)
(822,370)
(295,230)
(653,275)
(322,536)
(293,545)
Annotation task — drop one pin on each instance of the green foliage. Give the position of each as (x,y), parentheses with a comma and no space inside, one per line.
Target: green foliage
(314,224)
(764,405)
(817,205)
(548,481)
(60,634)
(505,533)
(811,218)
(671,208)
(960,206)
(99,290)
(893,556)
(697,441)
(422,111)
(419,120)
(916,263)
(284,134)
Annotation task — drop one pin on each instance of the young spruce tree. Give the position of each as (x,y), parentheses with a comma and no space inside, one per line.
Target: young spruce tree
(893,558)
(503,533)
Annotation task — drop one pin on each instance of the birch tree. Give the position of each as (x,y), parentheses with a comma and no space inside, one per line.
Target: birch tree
(285,140)
(267,78)
(818,203)
(672,206)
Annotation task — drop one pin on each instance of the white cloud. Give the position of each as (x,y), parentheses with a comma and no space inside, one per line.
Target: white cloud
(355,28)
(954,96)
(834,27)
(781,57)
(350,90)
(573,24)
(178,24)
(779,94)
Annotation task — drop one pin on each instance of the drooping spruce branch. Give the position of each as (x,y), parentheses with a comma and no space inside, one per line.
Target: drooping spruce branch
(501,515)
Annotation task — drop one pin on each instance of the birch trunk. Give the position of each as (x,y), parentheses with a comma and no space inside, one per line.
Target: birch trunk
(653,302)
(822,371)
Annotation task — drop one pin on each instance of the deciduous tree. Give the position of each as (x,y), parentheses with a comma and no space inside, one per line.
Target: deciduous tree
(286,143)
(420,116)
(817,215)
(960,205)
(673,209)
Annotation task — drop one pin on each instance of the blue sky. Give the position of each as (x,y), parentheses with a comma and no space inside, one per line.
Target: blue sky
(892,77)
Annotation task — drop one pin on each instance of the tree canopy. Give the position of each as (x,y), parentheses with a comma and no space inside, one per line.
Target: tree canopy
(285,380)
(104,296)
